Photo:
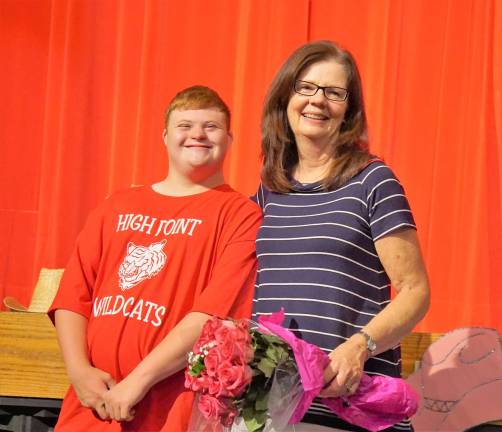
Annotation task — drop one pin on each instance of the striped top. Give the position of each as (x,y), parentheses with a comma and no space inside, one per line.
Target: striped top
(317,259)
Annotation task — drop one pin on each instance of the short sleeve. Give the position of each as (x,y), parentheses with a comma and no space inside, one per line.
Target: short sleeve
(230,290)
(260,197)
(75,289)
(388,207)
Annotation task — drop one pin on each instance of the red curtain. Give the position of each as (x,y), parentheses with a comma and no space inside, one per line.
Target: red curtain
(84,84)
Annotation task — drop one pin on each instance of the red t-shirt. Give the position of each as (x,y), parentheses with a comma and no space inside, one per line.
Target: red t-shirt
(142,262)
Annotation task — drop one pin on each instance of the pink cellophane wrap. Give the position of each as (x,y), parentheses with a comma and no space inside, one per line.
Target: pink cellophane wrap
(379,402)
(310,360)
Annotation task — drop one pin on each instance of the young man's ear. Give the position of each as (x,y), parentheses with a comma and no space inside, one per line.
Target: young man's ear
(164,136)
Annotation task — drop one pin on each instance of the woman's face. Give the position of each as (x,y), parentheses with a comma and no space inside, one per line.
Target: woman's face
(317,118)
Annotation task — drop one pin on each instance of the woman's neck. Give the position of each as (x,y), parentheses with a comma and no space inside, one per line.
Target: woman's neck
(314,162)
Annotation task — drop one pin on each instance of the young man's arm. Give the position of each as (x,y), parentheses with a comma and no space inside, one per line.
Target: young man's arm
(167,358)
(70,311)
(89,382)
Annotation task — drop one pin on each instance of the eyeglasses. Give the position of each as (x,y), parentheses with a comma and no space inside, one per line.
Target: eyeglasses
(305,88)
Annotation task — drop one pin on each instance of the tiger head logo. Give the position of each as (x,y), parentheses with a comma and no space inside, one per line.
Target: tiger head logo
(140,263)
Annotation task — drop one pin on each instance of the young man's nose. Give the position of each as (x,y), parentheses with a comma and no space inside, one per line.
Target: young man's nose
(197,132)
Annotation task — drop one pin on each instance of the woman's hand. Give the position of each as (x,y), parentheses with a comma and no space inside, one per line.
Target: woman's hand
(90,384)
(121,399)
(345,369)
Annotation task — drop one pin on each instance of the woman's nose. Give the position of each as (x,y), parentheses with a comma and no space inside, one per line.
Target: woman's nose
(318,97)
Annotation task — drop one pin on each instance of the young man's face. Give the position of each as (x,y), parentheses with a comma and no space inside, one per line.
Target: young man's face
(197,141)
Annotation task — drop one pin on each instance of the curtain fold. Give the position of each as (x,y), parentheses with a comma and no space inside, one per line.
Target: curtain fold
(85,84)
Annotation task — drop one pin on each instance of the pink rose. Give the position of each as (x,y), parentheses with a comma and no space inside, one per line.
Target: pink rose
(188,380)
(242,352)
(236,330)
(193,383)
(215,388)
(230,350)
(228,417)
(242,330)
(248,353)
(215,409)
(212,360)
(203,383)
(224,332)
(233,346)
(209,330)
(234,378)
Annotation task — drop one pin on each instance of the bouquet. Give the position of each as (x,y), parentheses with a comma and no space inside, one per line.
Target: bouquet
(263,378)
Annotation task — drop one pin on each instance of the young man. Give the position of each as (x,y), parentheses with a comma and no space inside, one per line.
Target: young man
(152,264)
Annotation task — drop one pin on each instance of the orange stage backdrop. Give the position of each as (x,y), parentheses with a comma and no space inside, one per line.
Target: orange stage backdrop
(84,84)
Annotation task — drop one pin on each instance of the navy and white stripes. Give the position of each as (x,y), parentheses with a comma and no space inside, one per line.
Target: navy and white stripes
(317,259)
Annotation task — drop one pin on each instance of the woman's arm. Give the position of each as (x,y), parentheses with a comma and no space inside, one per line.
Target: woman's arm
(402,260)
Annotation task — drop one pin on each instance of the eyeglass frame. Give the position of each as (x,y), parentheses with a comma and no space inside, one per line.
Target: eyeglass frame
(323,88)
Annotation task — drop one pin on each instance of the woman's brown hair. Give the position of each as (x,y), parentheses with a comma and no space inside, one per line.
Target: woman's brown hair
(279,150)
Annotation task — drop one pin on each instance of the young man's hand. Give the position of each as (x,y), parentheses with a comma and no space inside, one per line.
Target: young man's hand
(164,360)
(90,385)
(121,399)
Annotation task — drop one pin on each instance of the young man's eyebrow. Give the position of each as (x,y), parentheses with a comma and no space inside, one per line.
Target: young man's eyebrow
(205,122)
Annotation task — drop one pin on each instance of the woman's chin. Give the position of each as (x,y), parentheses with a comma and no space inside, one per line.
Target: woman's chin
(315,136)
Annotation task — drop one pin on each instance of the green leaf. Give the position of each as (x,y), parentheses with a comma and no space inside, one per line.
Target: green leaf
(271,339)
(272,353)
(196,369)
(261,403)
(255,421)
(286,356)
(277,353)
(267,366)
(252,393)
(256,372)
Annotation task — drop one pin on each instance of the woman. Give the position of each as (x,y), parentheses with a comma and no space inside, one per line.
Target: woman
(337,228)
